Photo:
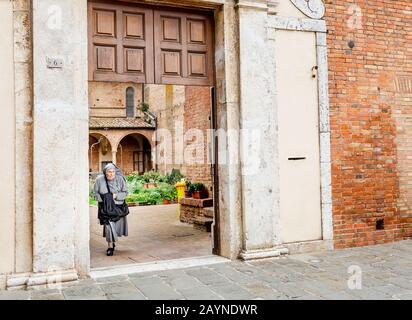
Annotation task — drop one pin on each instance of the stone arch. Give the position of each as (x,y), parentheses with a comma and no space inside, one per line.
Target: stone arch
(148,134)
(134,153)
(98,144)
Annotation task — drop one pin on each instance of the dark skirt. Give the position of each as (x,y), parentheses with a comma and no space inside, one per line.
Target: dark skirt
(113,230)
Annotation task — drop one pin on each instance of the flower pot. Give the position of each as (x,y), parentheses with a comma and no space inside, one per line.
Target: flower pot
(199,194)
(132,204)
(166,201)
(149,185)
(188,194)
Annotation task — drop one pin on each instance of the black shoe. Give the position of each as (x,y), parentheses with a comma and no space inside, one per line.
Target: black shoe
(109,252)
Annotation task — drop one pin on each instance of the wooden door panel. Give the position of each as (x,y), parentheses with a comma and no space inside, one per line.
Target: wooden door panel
(134,60)
(105,58)
(170,29)
(128,30)
(191,36)
(197,64)
(126,42)
(171,63)
(133,26)
(104,22)
(196,31)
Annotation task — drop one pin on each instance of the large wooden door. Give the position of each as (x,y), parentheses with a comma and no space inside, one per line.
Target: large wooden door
(132,43)
(183,48)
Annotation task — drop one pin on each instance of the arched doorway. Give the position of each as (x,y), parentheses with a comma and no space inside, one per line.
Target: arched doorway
(100,152)
(134,154)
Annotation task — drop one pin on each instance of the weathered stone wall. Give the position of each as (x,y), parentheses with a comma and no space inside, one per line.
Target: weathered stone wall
(7,131)
(60,130)
(24,134)
(167,103)
(108,99)
(370,113)
(16,133)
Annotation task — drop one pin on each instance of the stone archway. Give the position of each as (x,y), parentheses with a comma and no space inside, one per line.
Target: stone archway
(100,151)
(134,153)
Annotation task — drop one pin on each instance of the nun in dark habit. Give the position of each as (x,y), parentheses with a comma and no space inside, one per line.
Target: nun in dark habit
(114,223)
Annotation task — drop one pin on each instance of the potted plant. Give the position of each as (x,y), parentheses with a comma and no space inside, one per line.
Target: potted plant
(199,191)
(131,200)
(188,191)
(167,193)
(150,179)
(144,107)
(167,198)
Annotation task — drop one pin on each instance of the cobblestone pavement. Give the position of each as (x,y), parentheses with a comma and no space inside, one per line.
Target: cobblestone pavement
(155,234)
(385,272)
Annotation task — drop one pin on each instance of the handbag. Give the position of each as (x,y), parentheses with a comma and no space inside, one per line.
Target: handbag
(109,210)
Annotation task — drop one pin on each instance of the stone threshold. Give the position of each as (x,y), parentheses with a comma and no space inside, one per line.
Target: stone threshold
(27,280)
(288,249)
(104,272)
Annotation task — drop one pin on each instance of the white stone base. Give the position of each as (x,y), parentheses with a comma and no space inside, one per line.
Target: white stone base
(3,282)
(288,248)
(309,246)
(24,280)
(155,266)
(263,254)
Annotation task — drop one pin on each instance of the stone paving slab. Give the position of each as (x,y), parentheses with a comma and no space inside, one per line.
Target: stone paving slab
(386,273)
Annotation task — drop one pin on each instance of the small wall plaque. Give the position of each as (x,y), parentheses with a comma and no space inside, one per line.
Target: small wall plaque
(54,62)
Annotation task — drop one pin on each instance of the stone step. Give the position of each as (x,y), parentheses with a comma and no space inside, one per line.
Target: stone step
(198,203)
(203,223)
(209,212)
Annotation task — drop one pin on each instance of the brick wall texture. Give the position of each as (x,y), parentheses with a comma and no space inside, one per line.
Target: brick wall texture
(371,119)
(196,116)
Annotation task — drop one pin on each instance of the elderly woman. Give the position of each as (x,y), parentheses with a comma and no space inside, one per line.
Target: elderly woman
(112,184)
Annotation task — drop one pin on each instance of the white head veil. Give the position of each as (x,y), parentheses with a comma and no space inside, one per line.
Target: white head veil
(110,166)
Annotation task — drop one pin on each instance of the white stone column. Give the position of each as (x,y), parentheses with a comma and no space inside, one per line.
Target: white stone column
(258,141)
(227,120)
(60,165)
(114,157)
(7,143)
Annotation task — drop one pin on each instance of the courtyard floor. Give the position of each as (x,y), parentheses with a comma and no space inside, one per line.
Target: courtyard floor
(155,234)
(384,272)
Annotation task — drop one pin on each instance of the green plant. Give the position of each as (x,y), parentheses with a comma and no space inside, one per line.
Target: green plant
(174,176)
(146,196)
(135,186)
(92,201)
(144,107)
(198,186)
(151,177)
(134,176)
(152,196)
(167,191)
(188,184)
(191,188)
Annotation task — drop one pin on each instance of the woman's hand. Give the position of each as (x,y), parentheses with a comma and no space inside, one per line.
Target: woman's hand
(114,196)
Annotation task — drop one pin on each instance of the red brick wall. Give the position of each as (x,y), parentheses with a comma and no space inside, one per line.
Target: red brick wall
(196,116)
(371,126)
